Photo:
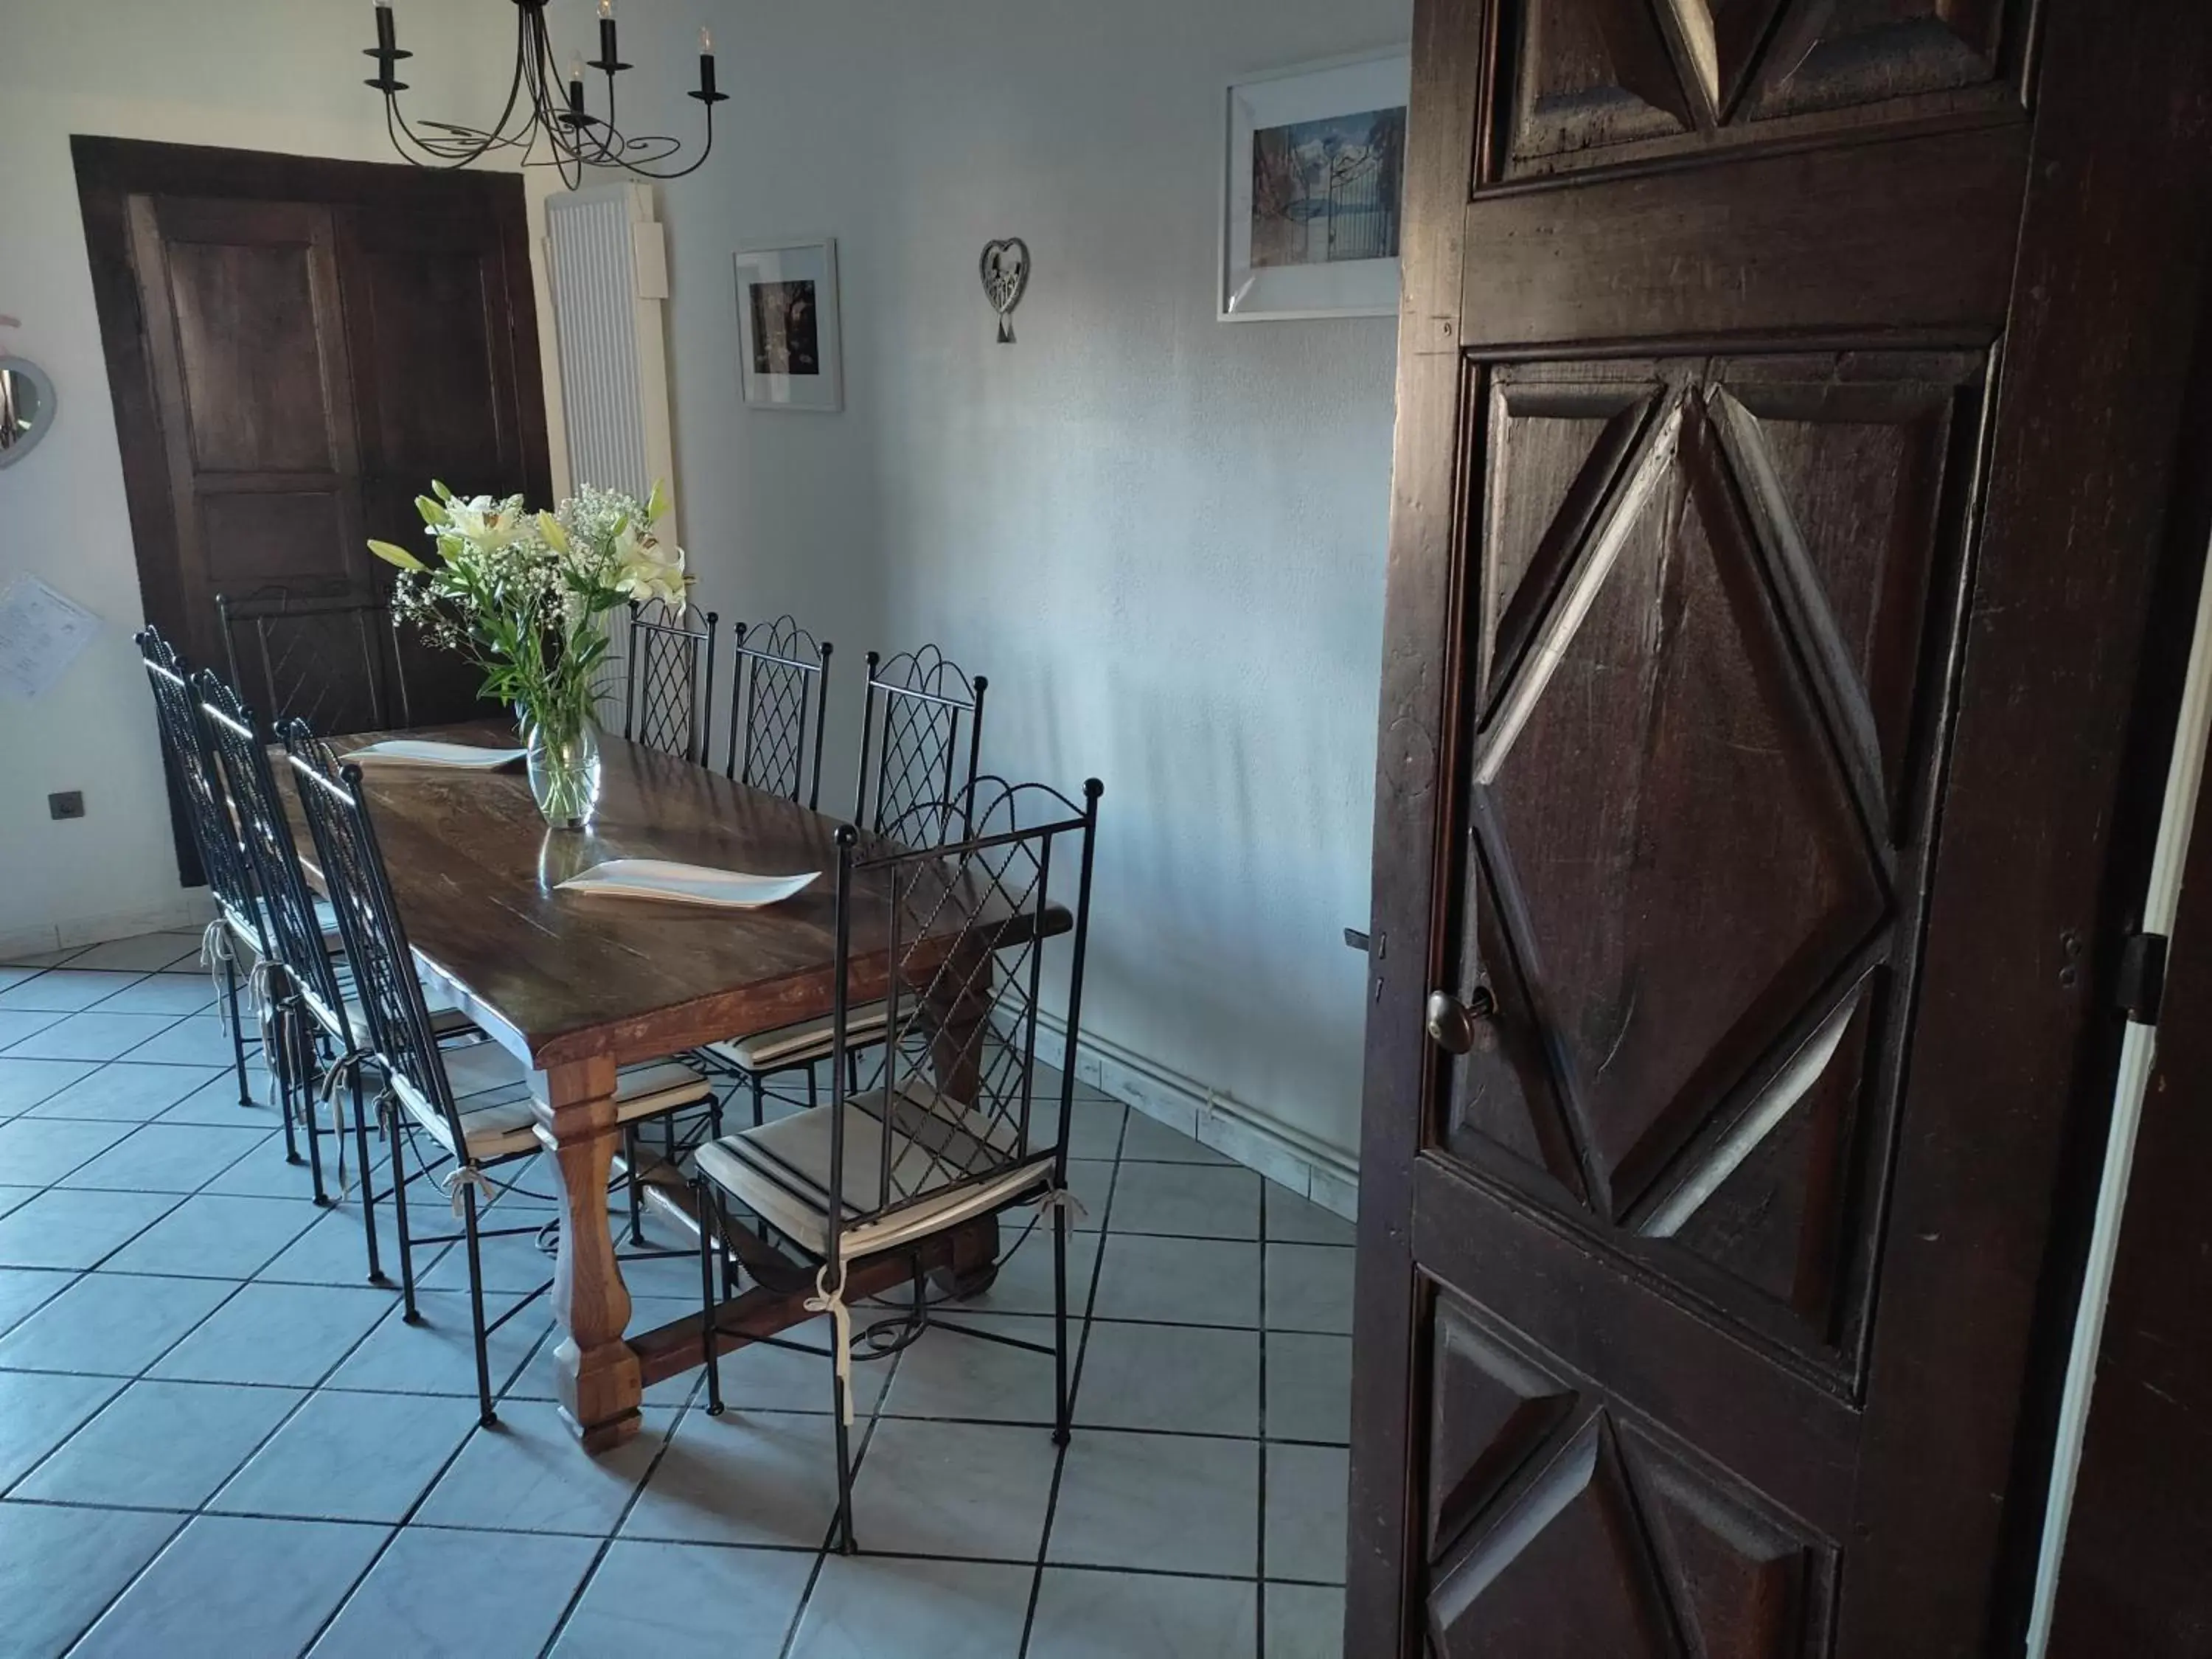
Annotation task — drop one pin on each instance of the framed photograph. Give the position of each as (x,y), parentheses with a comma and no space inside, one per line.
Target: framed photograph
(789,341)
(1313,190)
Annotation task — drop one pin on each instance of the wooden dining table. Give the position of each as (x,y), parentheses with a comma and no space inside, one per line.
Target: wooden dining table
(577,985)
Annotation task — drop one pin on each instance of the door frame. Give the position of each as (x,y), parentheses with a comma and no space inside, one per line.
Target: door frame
(111,171)
(2068,685)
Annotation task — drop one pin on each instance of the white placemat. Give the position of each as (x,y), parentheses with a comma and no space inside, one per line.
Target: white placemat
(422,752)
(687,884)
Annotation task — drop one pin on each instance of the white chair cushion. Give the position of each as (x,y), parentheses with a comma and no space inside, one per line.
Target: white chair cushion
(446,1020)
(491,1090)
(794,1046)
(781,1170)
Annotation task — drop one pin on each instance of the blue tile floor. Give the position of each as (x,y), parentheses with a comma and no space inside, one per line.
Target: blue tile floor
(216,1437)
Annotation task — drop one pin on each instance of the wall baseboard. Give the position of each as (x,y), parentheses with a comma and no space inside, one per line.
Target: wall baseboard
(188,909)
(1232,1128)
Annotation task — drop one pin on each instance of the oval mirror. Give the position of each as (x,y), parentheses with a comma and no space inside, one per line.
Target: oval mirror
(27,408)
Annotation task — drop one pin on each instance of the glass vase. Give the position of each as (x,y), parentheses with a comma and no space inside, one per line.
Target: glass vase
(564,770)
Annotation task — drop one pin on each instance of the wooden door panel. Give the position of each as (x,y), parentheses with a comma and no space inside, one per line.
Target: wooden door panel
(250,367)
(432,318)
(1594,77)
(1603,1535)
(1707,1278)
(237,306)
(1728,596)
(1856,472)
(1838,54)
(1885,236)
(439,309)
(257,538)
(1666,672)
(1599,82)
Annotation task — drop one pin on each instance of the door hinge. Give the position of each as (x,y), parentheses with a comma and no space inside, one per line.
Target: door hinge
(2142,977)
(1358,940)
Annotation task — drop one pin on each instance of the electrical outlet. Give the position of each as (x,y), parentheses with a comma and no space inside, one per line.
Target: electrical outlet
(67,804)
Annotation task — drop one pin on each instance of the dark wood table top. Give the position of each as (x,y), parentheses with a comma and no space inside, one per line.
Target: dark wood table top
(561,976)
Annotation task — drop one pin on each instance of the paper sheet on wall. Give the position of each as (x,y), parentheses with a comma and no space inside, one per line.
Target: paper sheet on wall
(41,634)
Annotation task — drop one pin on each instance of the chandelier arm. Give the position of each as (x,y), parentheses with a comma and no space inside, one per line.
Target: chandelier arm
(574,140)
(465,145)
(706,149)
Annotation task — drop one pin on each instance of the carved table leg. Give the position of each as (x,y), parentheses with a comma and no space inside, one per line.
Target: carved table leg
(598,1375)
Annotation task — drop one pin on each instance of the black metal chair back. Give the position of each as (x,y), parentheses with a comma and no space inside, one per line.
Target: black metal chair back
(359,888)
(669,691)
(913,753)
(333,662)
(295,935)
(779,710)
(186,747)
(970,922)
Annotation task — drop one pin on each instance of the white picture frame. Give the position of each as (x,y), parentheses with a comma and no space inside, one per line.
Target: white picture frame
(1291,262)
(791,346)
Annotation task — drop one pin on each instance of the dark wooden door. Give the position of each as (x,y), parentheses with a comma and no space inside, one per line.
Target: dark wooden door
(1787,396)
(434,291)
(245,338)
(295,348)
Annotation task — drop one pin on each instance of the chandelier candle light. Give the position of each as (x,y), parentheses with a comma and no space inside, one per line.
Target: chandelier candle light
(538,106)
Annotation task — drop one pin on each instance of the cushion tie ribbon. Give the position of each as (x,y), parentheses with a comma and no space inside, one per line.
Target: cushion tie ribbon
(460,1179)
(830,1299)
(1060,1198)
(344,1066)
(216,949)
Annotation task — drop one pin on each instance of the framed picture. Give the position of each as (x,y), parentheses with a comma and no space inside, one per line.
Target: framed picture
(790,343)
(1314,190)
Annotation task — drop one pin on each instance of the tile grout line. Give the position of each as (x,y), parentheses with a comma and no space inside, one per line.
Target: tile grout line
(1074,1394)
(1260,1585)
(143,1374)
(12,1050)
(431,1485)
(201,1511)
(822,1550)
(884,1410)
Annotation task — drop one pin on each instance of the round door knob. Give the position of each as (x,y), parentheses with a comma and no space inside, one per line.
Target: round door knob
(1454,1026)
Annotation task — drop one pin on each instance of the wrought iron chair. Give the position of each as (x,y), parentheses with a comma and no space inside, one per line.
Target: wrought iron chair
(471,1102)
(322,1030)
(911,747)
(947,1130)
(669,684)
(239,918)
(779,710)
(333,662)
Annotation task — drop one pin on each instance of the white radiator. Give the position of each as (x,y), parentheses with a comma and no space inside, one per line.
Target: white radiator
(609,271)
(606,266)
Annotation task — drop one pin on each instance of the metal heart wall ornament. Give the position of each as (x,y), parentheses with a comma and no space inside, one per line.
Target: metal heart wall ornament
(1006,278)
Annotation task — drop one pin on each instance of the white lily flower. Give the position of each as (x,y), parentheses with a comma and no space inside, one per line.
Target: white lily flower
(645,569)
(487,524)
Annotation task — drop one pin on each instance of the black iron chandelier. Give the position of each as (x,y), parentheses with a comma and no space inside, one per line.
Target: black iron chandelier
(539,106)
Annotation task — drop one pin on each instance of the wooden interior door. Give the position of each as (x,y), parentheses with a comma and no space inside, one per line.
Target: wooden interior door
(295,348)
(246,335)
(436,295)
(1787,396)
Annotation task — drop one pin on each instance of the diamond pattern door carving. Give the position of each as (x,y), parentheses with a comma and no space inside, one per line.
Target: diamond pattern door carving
(1738,704)
(1595,82)
(1711,576)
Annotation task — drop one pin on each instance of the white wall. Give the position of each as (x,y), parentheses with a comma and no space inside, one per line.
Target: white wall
(280,74)
(1160,535)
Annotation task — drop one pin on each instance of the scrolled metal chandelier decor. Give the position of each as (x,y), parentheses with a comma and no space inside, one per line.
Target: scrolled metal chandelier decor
(540,104)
